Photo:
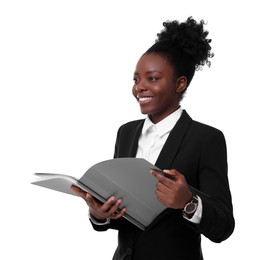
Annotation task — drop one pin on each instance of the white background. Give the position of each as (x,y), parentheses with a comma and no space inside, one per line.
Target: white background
(66,70)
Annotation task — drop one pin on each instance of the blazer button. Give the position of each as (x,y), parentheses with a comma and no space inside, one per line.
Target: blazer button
(128,251)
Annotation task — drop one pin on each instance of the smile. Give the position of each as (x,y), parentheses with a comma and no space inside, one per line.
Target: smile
(144,100)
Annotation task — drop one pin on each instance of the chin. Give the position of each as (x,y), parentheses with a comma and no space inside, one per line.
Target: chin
(145,111)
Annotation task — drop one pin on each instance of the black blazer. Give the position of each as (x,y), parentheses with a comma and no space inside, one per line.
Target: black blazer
(199,152)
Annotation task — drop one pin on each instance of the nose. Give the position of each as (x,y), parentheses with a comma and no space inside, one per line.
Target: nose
(141,86)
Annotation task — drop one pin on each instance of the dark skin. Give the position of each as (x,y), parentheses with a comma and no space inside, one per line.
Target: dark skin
(156,87)
(98,210)
(158,93)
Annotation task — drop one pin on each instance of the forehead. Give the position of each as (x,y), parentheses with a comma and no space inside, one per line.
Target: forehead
(154,61)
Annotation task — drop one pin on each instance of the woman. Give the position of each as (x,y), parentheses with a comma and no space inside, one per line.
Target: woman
(190,152)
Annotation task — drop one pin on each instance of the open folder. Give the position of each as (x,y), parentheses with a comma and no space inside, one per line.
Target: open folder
(125,178)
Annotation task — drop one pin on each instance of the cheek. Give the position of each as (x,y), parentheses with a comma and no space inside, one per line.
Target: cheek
(164,92)
(134,92)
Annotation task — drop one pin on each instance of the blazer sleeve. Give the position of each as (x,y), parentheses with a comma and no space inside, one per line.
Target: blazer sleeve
(217,221)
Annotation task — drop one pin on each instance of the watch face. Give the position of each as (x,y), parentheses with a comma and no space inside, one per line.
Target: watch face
(191,207)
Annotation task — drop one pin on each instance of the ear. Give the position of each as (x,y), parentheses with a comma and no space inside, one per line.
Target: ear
(181,84)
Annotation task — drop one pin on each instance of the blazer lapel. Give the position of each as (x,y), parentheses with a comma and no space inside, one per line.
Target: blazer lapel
(173,142)
(134,142)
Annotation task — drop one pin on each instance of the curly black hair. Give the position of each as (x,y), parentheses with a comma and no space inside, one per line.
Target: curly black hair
(185,45)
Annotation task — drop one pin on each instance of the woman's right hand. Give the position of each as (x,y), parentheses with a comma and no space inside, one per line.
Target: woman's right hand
(109,209)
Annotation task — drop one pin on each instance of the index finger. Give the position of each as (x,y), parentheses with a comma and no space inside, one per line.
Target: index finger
(162,177)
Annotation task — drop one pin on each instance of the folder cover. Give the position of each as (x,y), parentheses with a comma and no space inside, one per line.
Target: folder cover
(125,178)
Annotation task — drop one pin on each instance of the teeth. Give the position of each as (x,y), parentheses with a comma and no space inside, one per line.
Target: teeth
(144,98)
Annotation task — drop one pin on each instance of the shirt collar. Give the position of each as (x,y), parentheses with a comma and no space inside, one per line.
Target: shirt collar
(165,125)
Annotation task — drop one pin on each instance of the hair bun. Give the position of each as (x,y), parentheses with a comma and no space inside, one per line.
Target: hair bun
(191,38)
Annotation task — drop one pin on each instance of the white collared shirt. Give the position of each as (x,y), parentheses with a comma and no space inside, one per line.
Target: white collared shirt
(154,136)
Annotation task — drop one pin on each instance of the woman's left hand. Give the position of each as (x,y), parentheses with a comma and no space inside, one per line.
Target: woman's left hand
(172,192)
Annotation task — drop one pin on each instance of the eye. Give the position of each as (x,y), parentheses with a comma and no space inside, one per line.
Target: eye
(136,80)
(153,79)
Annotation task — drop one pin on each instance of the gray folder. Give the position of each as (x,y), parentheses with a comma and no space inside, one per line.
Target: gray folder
(125,178)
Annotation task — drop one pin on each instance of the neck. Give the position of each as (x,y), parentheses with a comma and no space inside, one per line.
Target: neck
(157,118)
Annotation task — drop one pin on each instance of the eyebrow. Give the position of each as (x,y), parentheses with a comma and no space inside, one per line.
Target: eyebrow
(148,72)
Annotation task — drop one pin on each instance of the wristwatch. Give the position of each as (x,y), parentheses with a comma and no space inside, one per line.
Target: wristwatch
(191,207)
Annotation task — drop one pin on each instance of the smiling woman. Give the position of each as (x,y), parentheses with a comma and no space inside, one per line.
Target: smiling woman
(190,152)
(165,71)
(158,94)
